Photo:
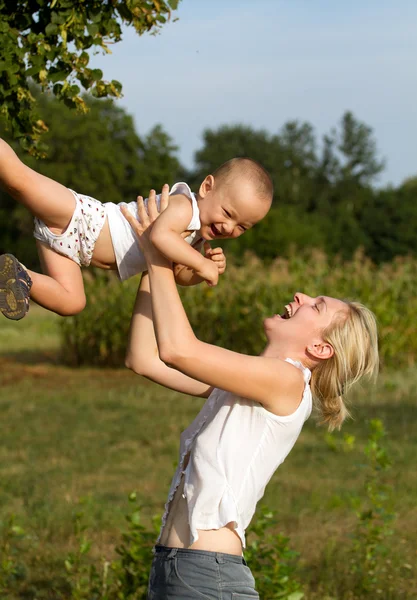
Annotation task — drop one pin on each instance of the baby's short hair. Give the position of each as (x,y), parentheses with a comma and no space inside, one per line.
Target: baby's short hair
(246,168)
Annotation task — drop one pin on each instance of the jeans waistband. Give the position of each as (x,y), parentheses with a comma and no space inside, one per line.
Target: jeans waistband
(219,557)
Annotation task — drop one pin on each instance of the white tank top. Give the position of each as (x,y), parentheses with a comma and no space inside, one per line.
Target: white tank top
(235,447)
(129,257)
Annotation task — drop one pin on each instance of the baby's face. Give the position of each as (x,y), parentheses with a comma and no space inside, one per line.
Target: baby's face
(228,211)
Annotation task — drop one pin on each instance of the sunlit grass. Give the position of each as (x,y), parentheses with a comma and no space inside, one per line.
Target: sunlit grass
(38,331)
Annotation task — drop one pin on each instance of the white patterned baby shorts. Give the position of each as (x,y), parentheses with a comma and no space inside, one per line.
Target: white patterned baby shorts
(78,240)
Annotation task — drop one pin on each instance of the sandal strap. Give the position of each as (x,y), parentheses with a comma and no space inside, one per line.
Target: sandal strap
(24,277)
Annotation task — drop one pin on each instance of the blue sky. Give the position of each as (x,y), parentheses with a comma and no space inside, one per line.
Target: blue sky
(264,62)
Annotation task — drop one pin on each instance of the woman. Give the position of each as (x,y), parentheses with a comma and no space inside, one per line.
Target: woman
(255,411)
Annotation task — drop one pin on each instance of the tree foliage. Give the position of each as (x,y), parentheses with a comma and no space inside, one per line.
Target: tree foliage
(324,197)
(323,190)
(99,154)
(50,42)
(303,171)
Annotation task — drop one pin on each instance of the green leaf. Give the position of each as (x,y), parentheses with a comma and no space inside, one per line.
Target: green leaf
(117,85)
(97,74)
(17,530)
(57,76)
(69,102)
(84,59)
(85,547)
(68,565)
(92,29)
(86,82)
(73,91)
(32,71)
(57,88)
(135,518)
(57,18)
(295,596)
(51,29)
(95,17)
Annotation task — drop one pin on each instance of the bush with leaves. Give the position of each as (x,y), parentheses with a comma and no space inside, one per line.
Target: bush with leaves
(271,559)
(124,578)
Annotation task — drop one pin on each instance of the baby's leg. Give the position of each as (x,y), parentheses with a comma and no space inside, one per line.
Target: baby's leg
(61,289)
(46,199)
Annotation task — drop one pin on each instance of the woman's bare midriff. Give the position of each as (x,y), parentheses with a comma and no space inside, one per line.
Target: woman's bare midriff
(176,533)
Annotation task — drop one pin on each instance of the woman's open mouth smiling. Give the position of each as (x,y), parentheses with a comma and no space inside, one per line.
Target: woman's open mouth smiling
(288,312)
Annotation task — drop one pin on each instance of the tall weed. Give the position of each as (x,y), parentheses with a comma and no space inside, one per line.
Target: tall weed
(272,560)
(12,568)
(375,514)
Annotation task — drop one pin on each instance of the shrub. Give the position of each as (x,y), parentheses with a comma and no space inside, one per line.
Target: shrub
(124,578)
(375,515)
(272,561)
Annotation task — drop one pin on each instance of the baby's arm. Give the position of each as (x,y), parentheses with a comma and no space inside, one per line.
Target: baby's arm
(185,276)
(166,236)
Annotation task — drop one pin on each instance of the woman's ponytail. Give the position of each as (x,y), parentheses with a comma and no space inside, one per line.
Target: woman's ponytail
(354,339)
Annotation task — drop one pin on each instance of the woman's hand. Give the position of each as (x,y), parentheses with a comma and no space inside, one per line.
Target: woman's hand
(146,216)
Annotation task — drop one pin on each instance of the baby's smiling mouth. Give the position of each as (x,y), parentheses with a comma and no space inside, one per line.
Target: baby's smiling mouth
(215,232)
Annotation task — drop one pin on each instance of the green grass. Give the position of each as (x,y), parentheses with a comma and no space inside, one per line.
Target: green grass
(34,338)
(83,439)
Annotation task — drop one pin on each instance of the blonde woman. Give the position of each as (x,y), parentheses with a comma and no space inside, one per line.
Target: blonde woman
(256,407)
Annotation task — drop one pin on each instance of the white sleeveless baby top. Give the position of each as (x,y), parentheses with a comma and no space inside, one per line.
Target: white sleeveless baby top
(235,447)
(129,257)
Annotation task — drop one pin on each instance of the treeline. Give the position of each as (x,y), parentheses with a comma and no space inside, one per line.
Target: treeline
(325,194)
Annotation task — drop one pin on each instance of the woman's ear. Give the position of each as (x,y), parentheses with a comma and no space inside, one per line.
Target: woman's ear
(320,350)
(207,186)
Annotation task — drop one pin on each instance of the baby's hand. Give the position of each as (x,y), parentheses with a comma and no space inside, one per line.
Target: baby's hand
(209,272)
(217,256)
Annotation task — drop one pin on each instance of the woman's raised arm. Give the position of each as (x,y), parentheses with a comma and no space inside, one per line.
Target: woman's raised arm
(274,383)
(142,355)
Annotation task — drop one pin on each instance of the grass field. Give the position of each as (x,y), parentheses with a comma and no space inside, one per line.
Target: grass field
(83,439)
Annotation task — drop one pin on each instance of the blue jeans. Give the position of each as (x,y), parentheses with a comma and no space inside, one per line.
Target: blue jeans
(183,574)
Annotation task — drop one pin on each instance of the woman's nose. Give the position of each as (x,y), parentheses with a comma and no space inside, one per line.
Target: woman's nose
(300,298)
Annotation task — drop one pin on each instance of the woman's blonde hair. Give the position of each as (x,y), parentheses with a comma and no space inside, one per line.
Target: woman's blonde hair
(354,338)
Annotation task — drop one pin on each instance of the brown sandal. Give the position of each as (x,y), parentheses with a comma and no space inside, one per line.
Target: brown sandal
(15,285)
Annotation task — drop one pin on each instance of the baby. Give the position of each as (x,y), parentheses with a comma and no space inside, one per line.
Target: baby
(73,231)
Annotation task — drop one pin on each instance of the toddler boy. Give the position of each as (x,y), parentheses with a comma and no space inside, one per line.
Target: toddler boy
(73,231)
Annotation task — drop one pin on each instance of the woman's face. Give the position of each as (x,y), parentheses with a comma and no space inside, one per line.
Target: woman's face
(303,321)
